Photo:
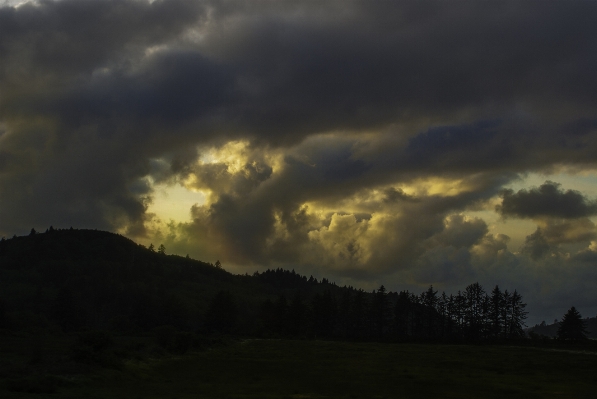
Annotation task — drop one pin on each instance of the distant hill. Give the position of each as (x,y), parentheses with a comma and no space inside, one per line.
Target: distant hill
(551,330)
(70,280)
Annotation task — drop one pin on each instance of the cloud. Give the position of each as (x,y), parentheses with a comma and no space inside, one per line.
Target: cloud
(546,201)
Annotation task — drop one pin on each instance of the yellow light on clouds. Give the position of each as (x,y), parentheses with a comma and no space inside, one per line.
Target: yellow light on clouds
(175,202)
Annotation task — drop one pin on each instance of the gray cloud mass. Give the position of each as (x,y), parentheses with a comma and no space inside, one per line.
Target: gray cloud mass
(546,201)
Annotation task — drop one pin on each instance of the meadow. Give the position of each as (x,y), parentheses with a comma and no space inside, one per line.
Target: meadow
(307,369)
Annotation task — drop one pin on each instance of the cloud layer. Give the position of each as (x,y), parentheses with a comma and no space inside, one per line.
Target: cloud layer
(354,139)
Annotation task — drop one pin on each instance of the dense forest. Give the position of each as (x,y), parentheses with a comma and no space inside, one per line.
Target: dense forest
(72,280)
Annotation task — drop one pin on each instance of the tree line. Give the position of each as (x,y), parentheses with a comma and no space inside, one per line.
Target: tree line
(84,279)
(348,313)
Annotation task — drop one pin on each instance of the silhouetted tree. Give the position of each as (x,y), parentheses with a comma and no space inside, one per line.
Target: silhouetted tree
(267,316)
(451,329)
(474,295)
(2,314)
(496,302)
(324,314)
(506,314)
(572,327)
(151,247)
(358,316)
(297,313)
(403,315)
(281,322)
(33,232)
(429,300)
(162,249)
(222,313)
(67,313)
(380,312)
(517,315)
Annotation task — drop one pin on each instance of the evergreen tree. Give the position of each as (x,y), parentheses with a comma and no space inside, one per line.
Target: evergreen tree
(67,312)
(380,312)
(442,309)
(268,316)
(324,314)
(281,320)
(474,295)
(451,315)
(297,313)
(429,300)
(403,315)
(358,317)
(459,310)
(344,308)
(222,313)
(506,314)
(572,327)
(518,315)
(496,303)
(2,314)
(162,249)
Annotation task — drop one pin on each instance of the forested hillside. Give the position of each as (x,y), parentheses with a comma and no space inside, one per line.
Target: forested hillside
(74,280)
(551,330)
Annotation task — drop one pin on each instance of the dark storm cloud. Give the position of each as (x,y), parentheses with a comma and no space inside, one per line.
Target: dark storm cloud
(67,157)
(173,88)
(301,68)
(424,54)
(548,200)
(62,39)
(93,91)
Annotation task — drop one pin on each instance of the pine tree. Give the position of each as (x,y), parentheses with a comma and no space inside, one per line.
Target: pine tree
(358,315)
(429,300)
(221,314)
(402,315)
(496,304)
(281,316)
(572,326)
(344,308)
(324,314)
(518,315)
(506,314)
(297,312)
(474,295)
(162,249)
(380,311)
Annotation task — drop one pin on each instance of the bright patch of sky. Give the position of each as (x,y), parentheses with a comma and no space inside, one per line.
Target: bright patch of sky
(518,229)
(174,202)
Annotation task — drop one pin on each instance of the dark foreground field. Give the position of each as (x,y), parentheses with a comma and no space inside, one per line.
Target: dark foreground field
(317,369)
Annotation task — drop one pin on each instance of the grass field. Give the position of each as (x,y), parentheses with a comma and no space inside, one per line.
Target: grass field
(319,369)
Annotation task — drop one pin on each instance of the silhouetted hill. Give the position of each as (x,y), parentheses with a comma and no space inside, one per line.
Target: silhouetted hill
(102,280)
(73,280)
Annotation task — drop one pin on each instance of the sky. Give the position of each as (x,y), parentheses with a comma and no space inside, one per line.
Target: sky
(369,142)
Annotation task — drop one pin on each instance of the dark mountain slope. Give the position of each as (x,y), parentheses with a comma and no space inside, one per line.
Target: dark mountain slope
(103,280)
(73,280)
